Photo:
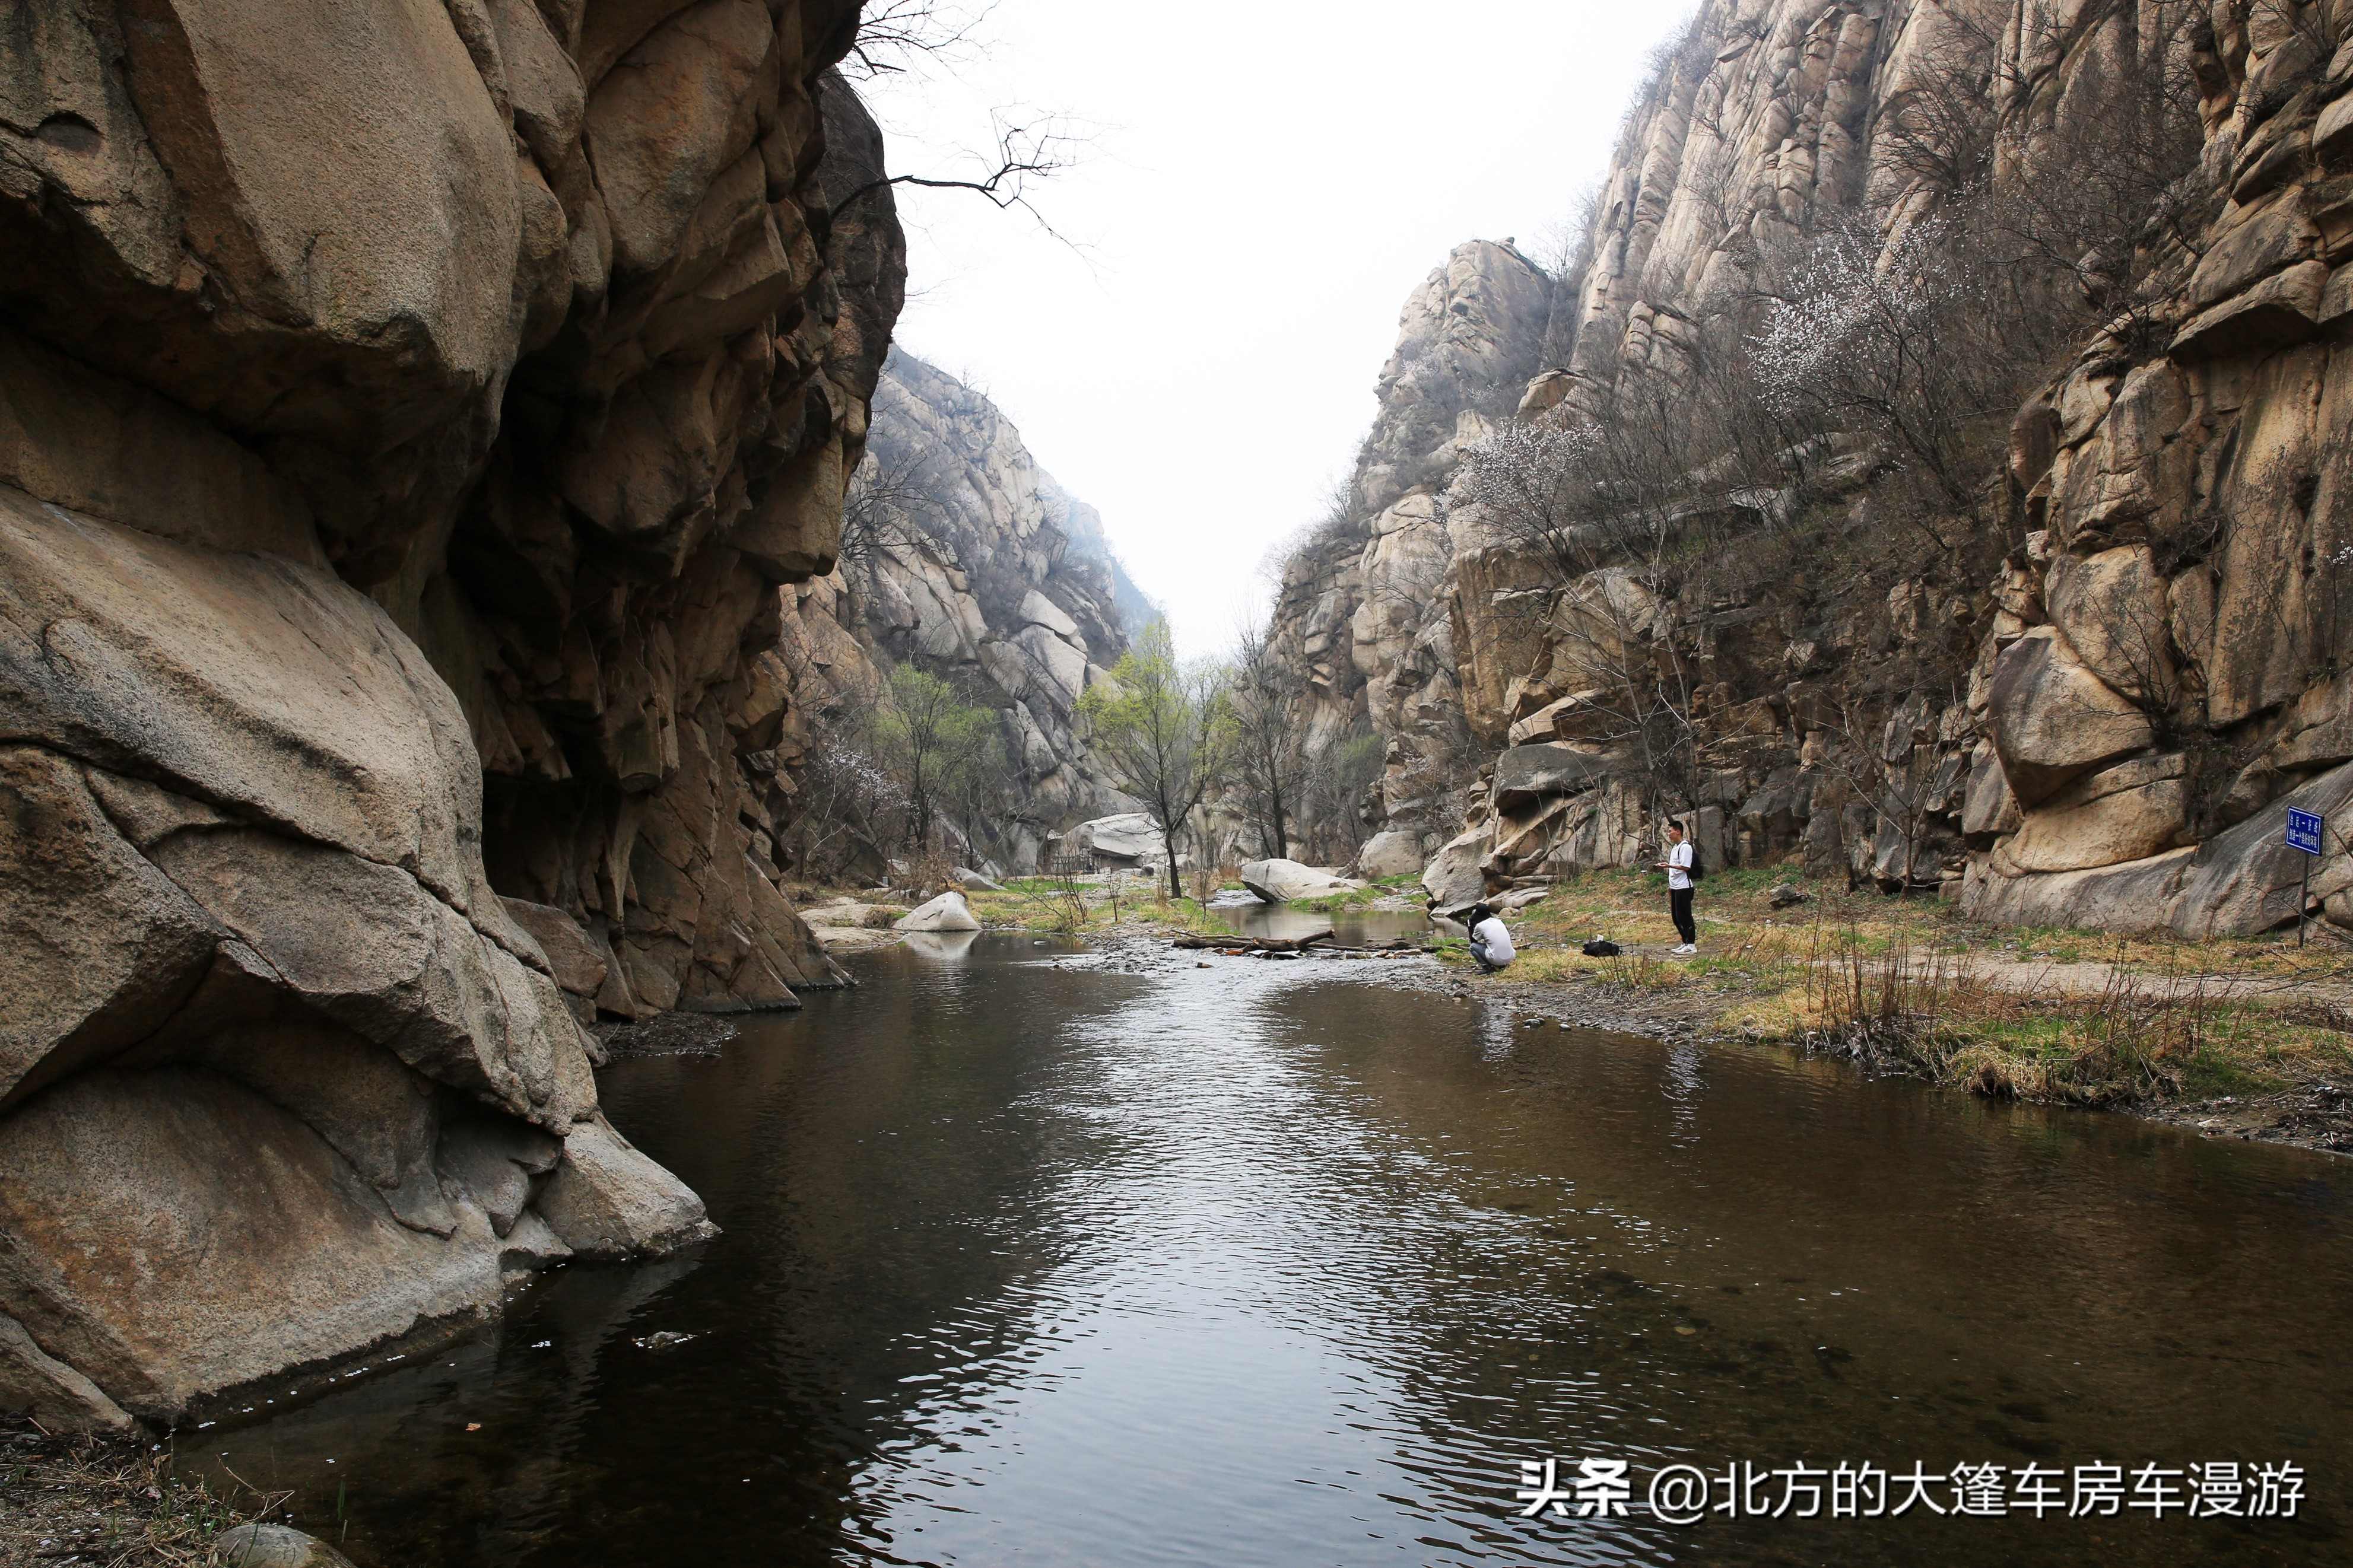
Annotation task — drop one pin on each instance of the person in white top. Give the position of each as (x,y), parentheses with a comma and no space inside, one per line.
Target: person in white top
(1677,866)
(1490,944)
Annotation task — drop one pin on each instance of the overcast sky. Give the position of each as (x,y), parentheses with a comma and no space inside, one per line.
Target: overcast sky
(1264,184)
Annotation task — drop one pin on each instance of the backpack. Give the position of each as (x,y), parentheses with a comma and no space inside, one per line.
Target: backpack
(1695,870)
(1602,947)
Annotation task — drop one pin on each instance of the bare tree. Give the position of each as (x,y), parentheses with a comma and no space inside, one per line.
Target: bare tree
(1029,147)
(1595,516)
(1162,728)
(1267,762)
(896,36)
(892,504)
(1910,771)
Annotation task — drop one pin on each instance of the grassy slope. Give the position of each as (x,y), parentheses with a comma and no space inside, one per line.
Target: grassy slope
(2080,1015)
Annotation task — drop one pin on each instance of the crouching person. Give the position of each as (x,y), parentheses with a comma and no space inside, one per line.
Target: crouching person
(1490,944)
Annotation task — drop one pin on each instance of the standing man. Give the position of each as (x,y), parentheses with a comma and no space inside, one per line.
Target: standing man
(1677,866)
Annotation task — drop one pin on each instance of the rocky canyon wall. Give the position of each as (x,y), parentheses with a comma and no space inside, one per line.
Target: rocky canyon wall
(2096,707)
(411,417)
(1361,626)
(967,561)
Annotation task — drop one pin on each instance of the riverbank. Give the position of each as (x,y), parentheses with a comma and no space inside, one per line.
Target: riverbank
(105,1501)
(2254,1036)
(2249,1039)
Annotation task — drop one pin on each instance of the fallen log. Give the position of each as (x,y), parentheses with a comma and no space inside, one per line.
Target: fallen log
(1194,941)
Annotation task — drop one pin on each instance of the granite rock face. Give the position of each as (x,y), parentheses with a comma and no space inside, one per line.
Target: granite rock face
(1363,624)
(968,561)
(2104,732)
(412,418)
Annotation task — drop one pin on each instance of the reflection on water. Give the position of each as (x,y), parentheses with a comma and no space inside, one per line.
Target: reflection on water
(1350,928)
(1030,1258)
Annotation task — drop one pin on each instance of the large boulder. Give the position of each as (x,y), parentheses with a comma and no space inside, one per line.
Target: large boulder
(946,912)
(1524,774)
(2129,824)
(604,1199)
(1454,879)
(2240,882)
(1132,837)
(174,1235)
(2129,812)
(1987,805)
(1280,881)
(1581,716)
(2111,609)
(2054,720)
(1390,853)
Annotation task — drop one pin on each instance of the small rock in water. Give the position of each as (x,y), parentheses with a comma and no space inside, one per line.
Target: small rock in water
(275,1546)
(662,1341)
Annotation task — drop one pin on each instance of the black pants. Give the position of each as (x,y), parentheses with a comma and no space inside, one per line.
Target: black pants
(1679,904)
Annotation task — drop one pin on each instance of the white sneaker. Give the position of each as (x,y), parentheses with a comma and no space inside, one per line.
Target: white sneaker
(1687,947)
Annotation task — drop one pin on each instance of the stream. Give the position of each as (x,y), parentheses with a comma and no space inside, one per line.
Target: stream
(1042,1256)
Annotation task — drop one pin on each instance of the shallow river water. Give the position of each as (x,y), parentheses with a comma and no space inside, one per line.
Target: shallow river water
(1043,1256)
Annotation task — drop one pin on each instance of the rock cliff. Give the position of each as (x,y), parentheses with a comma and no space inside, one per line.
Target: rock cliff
(408,415)
(2113,660)
(968,561)
(1362,626)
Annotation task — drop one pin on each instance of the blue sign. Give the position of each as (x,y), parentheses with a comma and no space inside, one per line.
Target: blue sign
(2303,831)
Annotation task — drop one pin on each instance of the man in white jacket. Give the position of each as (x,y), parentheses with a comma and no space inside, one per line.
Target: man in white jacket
(1677,866)
(1490,944)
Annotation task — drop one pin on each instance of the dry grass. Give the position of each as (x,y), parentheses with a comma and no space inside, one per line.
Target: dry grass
(113,1504)
(2136,1039)
(2035,1011)
(1073,906)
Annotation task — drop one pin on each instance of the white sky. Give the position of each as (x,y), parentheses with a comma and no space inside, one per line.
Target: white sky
(1266,183)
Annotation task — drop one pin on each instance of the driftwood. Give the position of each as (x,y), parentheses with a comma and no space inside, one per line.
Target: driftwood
(1254,944)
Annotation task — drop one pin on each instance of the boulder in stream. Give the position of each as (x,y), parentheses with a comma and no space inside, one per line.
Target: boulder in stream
(1280,881)
(276,1546)
(946,912)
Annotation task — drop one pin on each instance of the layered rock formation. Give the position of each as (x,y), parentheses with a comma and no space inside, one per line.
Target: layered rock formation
(972,563)
(2109,732)
(2164,679)
(1363,623)
(407,416)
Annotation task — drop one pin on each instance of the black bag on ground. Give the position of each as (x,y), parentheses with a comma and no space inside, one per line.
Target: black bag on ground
(1602,947)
